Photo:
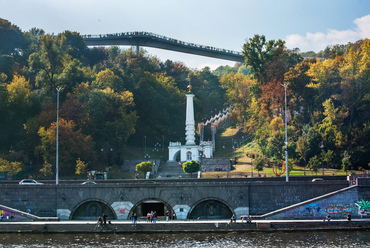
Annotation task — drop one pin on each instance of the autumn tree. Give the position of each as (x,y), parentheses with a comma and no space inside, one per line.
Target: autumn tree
(144,167)
(11,168)
(46,170)
(81,167)
(71,141)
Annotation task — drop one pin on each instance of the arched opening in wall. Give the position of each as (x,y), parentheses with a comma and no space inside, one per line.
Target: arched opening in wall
(91,210)
(142,208)
(210,209)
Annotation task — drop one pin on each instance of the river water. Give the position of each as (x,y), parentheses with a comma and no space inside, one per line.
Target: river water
(277,239)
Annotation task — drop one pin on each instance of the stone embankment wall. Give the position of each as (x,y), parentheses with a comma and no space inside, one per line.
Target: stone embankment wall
(181,227)
(241,196)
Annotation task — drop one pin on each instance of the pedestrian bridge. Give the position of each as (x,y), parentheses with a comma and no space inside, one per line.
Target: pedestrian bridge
(148,39)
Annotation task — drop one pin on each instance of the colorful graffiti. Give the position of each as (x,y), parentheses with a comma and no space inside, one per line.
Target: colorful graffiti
(4,214)
(308,210)
(313,208)
(340,210)
(278,172)
(122,211)
(363,205)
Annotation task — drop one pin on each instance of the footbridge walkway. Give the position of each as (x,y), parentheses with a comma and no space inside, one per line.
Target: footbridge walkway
(148,39)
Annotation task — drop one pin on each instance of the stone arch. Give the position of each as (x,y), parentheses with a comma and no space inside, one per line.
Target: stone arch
(142,207)
(210,208)
(173,153)
(91,209)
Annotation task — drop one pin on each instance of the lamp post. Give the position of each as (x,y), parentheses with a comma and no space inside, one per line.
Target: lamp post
(322,156)
(286,137)
(156,150)
(252,165)
(106,150)
(162,144)
(57,151)
(145,154)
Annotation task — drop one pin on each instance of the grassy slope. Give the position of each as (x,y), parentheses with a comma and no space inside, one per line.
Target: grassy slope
(224,140)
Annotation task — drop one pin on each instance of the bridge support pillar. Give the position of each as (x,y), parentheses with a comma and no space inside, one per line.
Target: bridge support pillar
(63,214)
(122,209)
(181,211)
(241,211)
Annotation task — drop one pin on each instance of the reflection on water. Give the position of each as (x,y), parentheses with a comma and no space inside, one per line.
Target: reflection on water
(278,239)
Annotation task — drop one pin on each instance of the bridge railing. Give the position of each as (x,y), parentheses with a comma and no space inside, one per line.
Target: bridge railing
(153,35)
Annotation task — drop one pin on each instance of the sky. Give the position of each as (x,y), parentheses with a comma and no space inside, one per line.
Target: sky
(309,25)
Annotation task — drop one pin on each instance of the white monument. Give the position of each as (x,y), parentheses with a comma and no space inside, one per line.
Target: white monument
(190,151)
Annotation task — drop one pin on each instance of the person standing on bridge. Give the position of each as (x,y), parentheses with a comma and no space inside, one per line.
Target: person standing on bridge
(134,219)
(167,215)
(104,218)
(155,216)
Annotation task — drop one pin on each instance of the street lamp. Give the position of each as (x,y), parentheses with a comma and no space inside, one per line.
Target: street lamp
(162,144)
(107,150)
(57,151)
(322,156)
(156,150)
(286,137)
(145,146)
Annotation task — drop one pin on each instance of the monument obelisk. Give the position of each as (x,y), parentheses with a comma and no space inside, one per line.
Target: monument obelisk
(189,122)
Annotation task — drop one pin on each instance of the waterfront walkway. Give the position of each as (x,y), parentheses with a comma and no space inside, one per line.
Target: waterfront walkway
(125,226)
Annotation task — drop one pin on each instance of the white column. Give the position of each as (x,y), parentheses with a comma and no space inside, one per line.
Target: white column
(189,123)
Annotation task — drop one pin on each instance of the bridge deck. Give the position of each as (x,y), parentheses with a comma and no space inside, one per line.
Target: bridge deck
(162,42)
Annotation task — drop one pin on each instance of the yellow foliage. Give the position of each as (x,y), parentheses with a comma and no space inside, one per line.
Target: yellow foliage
(276,124)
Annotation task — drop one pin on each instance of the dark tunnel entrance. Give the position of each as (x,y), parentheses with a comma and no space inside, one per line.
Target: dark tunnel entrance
(152,206)
(91,210)
(142,208)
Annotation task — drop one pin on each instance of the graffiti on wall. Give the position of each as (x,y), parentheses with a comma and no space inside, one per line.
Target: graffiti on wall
(309,210)
(340,210)
(363,207)
(122,211)
(5,214)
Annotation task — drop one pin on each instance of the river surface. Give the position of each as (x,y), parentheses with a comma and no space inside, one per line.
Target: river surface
(258,239)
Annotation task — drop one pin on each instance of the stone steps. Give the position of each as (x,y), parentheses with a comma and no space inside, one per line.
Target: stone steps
(171,170)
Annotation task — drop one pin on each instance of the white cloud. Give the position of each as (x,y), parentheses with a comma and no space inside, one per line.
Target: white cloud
(318,41)
(363,26)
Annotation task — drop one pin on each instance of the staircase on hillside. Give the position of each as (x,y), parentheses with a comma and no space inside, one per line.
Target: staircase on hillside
(171,170)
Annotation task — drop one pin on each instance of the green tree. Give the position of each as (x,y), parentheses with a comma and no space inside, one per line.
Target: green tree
(112,116)
(144,167)
(259,163)
(257,52)
(277,145)
(48,62)
(327,157)
(191,166)
(11,38)
(346,162)
(314,163)
(302,149)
